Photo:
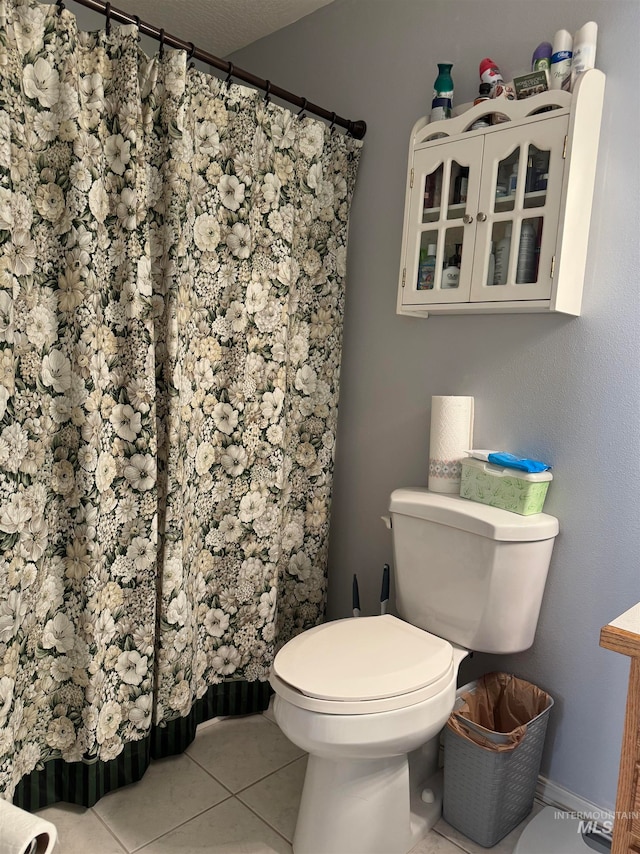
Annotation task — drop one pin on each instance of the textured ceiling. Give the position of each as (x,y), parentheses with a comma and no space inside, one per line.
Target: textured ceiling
(220,26)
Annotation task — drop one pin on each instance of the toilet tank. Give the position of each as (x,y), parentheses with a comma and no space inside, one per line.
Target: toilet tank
(467,572)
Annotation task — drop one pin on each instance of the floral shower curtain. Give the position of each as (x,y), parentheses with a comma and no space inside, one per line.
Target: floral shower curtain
(172,257)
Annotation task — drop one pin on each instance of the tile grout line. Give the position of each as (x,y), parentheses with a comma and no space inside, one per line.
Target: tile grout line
(450,841)
(264,821)
(181,824)
(206,771)
(235,796)
(253,782)
(230,794)
(254,811)
(280,768)
(112,832)
(261,779)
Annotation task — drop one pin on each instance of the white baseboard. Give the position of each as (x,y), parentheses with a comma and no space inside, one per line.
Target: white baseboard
(553,795)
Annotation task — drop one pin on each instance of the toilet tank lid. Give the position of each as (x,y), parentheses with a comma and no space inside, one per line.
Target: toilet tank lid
(466,515)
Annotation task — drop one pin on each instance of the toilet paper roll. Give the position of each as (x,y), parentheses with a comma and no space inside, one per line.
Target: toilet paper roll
(451,436)
(24,833)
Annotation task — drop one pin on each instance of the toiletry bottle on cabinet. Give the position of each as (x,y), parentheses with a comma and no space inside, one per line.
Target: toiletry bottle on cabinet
(427,268)
(526,254)
(502,256)
(451,273)
(442,93)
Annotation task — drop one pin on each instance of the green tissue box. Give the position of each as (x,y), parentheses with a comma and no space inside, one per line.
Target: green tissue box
(508,489)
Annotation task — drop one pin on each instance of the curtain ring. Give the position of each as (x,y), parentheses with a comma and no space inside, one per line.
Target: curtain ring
(107,13)
(302,108)
(229,75)
(60,6)
(190,53)
(349,128)
(136,18)
(267,97)
(332,126)
(161,51)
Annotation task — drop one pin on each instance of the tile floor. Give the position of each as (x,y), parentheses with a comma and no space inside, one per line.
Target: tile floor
(235,791)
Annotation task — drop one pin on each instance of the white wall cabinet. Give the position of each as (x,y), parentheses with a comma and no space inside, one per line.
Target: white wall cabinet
(497,218)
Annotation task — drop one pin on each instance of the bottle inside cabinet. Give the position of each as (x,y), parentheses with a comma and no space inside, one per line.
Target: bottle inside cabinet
(536,175)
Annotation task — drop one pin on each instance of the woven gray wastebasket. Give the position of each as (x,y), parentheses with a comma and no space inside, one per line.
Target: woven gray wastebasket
(488,793)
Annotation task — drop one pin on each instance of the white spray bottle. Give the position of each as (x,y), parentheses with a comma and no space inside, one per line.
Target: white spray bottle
(584,50)
(561,56)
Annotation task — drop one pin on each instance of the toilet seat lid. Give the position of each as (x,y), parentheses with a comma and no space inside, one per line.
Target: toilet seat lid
(363,658)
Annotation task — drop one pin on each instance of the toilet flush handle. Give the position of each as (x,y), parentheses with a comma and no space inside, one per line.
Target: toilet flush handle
(387,521)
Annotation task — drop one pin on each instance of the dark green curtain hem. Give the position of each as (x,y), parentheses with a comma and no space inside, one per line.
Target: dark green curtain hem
(84,783)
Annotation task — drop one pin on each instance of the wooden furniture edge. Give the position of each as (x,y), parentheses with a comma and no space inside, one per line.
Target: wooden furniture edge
(623,838)
(620,640)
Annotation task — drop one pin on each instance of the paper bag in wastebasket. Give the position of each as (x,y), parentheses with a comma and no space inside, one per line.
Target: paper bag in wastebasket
(496,713)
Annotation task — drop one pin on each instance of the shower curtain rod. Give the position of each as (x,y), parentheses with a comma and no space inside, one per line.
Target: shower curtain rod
(357,129)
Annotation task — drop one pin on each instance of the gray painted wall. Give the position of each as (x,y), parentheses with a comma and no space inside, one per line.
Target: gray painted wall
(564,390)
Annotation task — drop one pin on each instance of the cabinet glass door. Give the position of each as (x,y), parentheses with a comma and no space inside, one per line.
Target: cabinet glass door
(446,181)
(518,211)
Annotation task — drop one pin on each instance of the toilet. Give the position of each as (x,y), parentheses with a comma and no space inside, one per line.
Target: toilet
(367,697)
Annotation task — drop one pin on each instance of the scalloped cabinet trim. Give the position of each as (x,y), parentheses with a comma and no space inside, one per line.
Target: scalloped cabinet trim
(497,217)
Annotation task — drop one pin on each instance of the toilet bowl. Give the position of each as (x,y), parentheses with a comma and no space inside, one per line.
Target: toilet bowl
(360,695)
(367,697)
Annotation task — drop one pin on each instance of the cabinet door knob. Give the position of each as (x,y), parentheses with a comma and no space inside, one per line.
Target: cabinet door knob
(467,218)
(482,217)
